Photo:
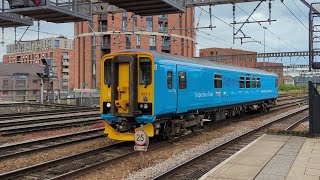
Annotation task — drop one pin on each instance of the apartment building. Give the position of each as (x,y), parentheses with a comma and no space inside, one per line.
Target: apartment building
(171,33)
(61,57)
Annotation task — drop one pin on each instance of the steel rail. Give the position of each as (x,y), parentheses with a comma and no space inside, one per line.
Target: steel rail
(43,119)
(21,148)
(45,113)
(171,171)
(87,168)
(292,126)
(48,126)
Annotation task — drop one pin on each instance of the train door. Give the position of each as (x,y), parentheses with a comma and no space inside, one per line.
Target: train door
(171,100)
(182,89)
(124,85)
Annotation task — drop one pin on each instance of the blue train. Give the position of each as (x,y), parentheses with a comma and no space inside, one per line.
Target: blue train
(170,94)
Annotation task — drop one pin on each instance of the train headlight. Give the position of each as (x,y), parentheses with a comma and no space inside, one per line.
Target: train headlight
(141,106)
(145,106)
(108,105)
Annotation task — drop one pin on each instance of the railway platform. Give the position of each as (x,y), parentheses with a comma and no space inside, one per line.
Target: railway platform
(275,157)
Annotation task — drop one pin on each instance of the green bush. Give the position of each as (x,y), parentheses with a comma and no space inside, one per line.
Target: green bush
(289,88)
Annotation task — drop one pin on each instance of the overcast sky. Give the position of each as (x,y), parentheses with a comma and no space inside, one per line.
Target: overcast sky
(293,34)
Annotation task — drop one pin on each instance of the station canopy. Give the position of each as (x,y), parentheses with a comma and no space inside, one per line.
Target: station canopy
(150,7)
(56,11)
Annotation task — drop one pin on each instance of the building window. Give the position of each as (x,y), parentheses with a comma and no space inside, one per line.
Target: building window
(217,81)
(152,41)
(35,81)
(51,54)
(21,83)
(169,79)
(182,80)
(241,82)
(138,40)
(145,71)
(124,25)
(124,21)
(258,83)
(49,44)
(128,41)
(104,25)
(64,53)
(5,83)
(5,92)
(56,43)
(135,23)
(35,91)
(21,93)
(65,44)
(149,24)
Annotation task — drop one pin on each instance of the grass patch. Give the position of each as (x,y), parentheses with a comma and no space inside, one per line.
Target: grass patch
(293,89)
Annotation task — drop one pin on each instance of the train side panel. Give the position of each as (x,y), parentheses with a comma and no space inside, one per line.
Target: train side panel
(200,91)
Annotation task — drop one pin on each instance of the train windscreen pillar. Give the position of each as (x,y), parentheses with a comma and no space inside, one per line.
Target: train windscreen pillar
(314,109)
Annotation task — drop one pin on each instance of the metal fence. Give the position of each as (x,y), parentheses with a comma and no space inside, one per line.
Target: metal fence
(86,99)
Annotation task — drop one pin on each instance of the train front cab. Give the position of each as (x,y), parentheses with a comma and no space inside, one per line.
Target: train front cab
(127,94)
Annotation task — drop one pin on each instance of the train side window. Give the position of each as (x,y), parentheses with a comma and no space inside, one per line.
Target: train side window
(258,83)
(254,82)
(169,79)
(276,83)
(182,80)
(107,72)
(248,81)
(217,81)
(241,82)
(145,71)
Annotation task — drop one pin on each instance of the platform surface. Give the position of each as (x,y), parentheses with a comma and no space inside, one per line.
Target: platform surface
(272,157)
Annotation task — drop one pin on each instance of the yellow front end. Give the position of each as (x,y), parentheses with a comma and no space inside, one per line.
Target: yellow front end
(124,101)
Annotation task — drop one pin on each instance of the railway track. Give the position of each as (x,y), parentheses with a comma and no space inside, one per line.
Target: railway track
(62,123)
(297,123)
(45,113)
(203,163)
(75,165)
(17,149)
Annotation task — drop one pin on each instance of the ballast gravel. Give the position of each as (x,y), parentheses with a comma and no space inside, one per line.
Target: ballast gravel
(177,159)
(161,159)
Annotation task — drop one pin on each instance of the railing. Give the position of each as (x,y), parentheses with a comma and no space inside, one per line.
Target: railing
(163,29)
(165,43)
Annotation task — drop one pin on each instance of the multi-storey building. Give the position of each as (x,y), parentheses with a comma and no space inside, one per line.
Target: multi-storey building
(62,61)
(172,33)
(19,82)
(41,44)
(246,62)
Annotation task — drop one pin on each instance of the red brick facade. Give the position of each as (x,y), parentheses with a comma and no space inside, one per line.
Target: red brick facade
(245,62)
(113,36)
(63,62)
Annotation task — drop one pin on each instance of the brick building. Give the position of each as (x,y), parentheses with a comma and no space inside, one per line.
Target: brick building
(63,61)
(19,82)
(272,67)
(246,62)
(164,33)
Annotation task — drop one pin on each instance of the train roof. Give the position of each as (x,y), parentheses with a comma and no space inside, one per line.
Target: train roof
(199,61)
